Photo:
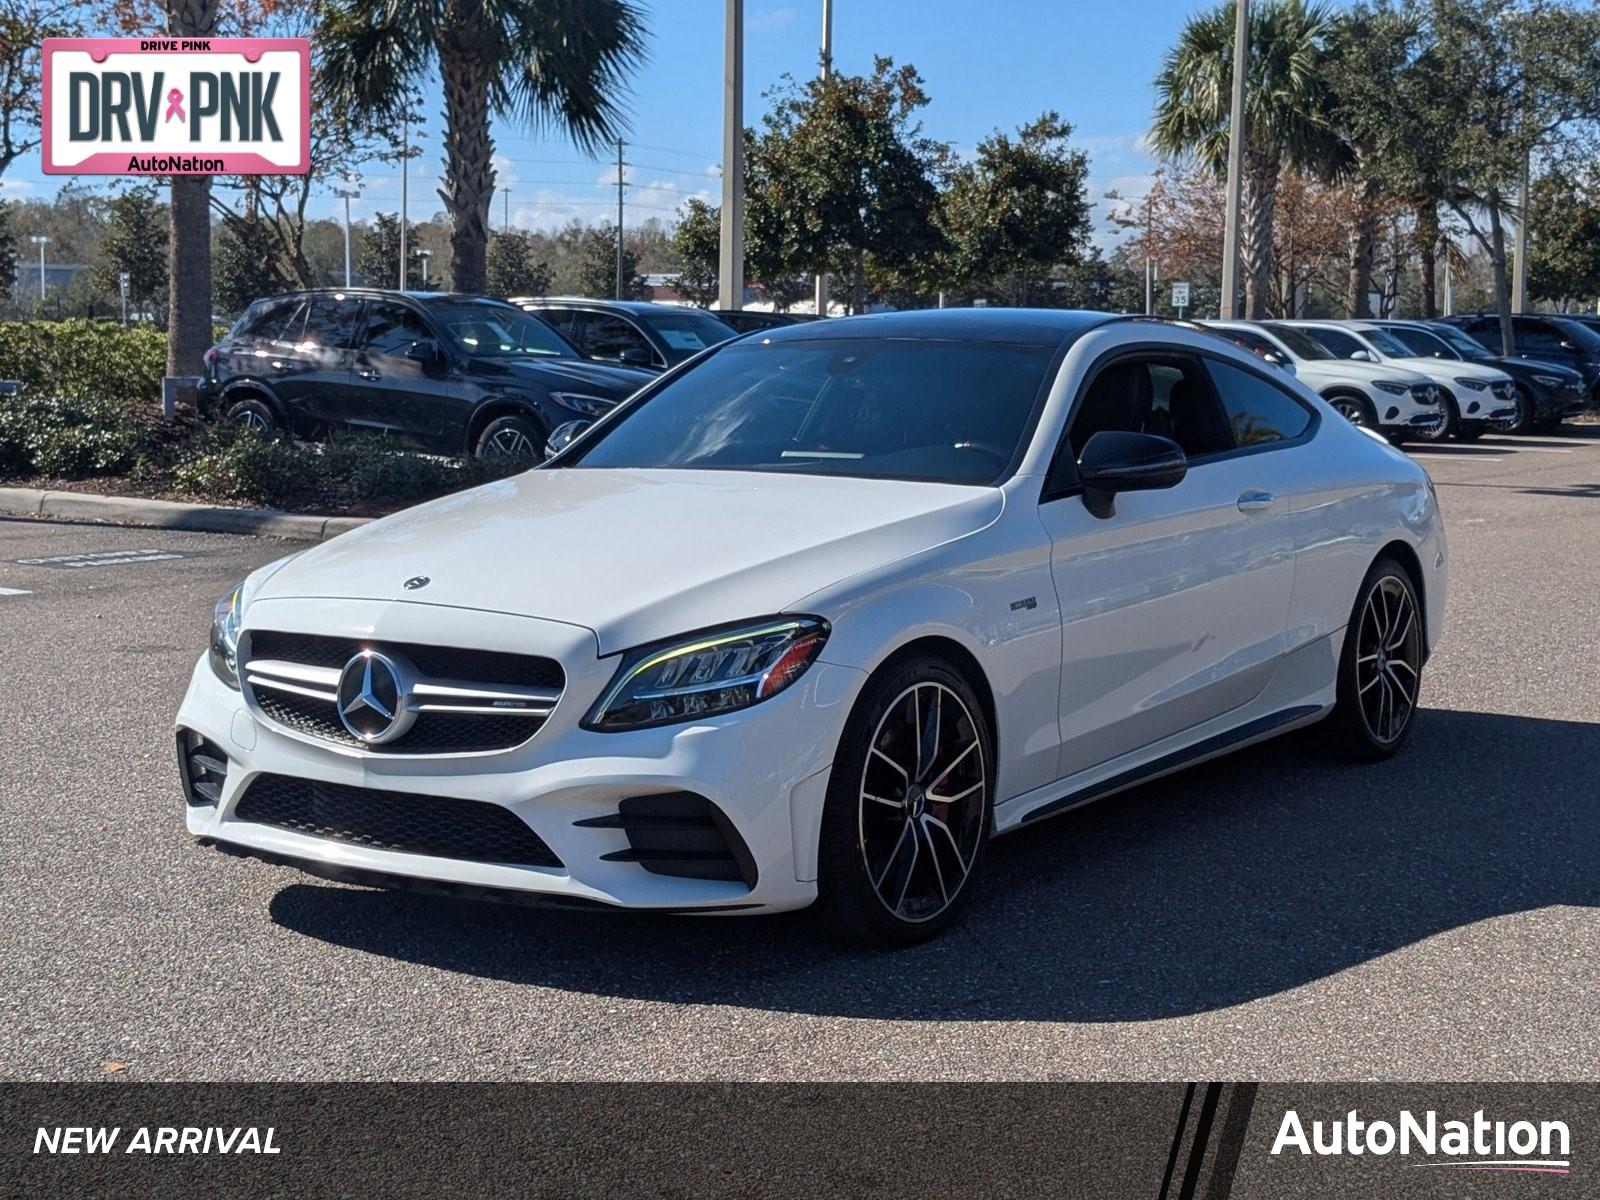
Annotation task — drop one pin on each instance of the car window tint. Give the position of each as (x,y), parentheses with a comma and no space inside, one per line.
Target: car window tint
(895,408)
(1536,335)
(606,336)
(331,323)
(563,320)
(1336,342)
(1421,343)
(267,318)
(290,328)
(391,329)
(1166,397)
(1250,340)
(1257,411)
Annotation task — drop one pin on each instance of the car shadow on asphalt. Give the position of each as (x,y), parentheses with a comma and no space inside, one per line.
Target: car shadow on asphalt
(1233,881)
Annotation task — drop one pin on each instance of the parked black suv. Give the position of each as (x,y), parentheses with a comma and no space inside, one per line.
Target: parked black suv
(1548,337)
(449,374)
(635,333)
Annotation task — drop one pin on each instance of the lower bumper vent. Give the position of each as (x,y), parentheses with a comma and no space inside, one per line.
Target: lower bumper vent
(204,767)
(440,826)
(679,834)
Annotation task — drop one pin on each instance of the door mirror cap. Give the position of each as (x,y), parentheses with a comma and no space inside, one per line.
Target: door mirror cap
(1113,461)
(564,435)
(1361,355)
(635,356)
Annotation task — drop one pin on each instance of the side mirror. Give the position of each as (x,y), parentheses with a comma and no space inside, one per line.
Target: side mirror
(564,435)
(1361,355)
(1571,347)
(1114,462)
(635,356)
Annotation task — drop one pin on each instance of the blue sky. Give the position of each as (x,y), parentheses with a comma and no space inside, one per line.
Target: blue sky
(985,65)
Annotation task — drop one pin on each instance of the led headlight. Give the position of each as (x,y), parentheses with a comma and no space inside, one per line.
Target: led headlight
(1472,385)
(589,406)
(1549,381)
(226,616)
(1394,389)
(704,675)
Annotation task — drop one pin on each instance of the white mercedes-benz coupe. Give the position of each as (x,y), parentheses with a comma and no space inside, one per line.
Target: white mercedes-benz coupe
(816,614)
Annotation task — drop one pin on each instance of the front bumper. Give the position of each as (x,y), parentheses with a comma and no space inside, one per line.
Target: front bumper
(765,769)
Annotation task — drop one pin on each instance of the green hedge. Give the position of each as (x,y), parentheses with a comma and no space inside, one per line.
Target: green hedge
(364,473)
(66,438)
(81,360)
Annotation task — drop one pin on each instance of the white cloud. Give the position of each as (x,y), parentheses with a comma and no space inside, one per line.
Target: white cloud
(771,21)
(16,187)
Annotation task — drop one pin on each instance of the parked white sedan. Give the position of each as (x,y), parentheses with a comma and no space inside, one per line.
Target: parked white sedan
(814,616)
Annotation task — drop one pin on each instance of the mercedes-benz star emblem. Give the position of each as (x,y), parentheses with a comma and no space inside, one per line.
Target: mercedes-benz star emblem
(372,698)
(415,582)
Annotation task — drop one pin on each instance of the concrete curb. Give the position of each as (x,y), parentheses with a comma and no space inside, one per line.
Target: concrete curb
(167,514)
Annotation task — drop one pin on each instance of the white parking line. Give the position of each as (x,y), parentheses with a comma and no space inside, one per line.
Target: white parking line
(1522,449)
(14,592)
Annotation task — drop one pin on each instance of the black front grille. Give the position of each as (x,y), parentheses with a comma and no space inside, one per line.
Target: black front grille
(436,662)
(680,834)
(439,826)
(433,732)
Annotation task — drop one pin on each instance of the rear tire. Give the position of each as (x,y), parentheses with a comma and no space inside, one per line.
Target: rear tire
(1380,667)
(907,813)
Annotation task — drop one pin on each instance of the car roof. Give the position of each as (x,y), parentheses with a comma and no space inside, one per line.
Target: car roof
(631,306)
(1025,326)
(371,293)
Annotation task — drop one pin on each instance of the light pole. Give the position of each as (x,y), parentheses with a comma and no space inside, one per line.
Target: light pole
(424,255)
(821,304)
(730,250)
(352,192)
(1236,136)
(405,157)
(41,240)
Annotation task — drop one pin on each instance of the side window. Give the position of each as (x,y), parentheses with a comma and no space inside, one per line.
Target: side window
(1535,337)
(1336,342)
(391,329)
(606,336)
(266,318)
(1257,412)
(331,323)
(563,320)
(1251,341)
(285,326)
(1169,397)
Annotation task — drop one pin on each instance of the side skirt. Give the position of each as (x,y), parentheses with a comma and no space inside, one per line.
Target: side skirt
(1251,731)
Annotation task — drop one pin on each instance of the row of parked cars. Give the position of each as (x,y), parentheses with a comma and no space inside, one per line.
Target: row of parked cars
(1433,380)
(469,375)
(448,374)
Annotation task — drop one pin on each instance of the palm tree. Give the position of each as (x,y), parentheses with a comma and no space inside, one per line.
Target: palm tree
(189,332)
(543,63)
(1285,120)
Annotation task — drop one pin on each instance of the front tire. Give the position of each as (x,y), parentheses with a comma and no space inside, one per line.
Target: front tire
(1527,418)
(510,439)
(1447,425)
(1355,410)
(907,814)
(1380,667)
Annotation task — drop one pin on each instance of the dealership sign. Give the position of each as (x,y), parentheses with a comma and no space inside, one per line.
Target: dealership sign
(177,106)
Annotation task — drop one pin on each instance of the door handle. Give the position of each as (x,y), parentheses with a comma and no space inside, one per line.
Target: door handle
(366,372)
(1255,500)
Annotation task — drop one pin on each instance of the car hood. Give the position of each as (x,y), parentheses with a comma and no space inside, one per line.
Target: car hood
(609,382)
(1354,368)
(1536,366)
(637,555)
(1445,370)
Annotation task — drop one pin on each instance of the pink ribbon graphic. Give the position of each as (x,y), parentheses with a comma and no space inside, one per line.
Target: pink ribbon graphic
(174,105)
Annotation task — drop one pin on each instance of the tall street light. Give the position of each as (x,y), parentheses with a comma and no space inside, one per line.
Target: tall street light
(1236,136)
(40,240)
(730,249)
(348,193)
(827,70)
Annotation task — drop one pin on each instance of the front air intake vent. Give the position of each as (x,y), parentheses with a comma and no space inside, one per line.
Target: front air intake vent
(679,834)
(204,768)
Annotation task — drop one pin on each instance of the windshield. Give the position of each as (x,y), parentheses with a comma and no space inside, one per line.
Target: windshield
(1420,342)
(1299,344)
(1387,344)
(685,333)
(890,408)
(1463,345)
(499,331)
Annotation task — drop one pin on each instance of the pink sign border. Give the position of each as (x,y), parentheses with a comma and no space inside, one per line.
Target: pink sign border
(236,163)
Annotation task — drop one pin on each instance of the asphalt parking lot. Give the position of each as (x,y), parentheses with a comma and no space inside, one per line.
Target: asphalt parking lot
(1271,915)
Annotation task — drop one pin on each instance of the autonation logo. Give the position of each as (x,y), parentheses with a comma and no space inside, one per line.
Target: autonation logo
(1480,1144)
